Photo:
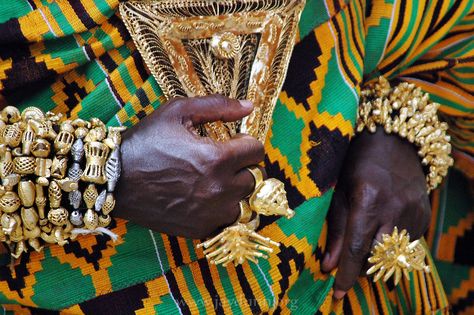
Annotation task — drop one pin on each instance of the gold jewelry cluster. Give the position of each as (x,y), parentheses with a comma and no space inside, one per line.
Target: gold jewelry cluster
(406,111)
(240,241)
(58,177)
(397,256)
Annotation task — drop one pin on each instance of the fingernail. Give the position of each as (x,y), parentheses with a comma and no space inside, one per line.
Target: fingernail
(339,294)
(246,104)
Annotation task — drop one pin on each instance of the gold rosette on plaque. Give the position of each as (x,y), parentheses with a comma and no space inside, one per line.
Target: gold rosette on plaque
(237,48)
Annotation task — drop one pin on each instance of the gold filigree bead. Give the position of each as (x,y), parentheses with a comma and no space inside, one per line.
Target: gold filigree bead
(104,220)
(10,202)
(43,167)
(32,113)
(24,165)
(59,167)
(27,140)
(65,138)
(91,219)
(58,216)
(109,204)
(27,193)
(55,195)
(90,196)
(12,135)
(96,157)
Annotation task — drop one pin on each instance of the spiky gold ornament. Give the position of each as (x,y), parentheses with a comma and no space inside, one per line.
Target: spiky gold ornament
(397,256)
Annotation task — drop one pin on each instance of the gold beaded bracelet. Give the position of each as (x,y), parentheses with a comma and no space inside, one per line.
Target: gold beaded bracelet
(406,111)
(42,160)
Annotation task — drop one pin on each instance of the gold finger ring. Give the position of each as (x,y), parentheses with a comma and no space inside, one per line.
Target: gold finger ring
(397,256)
(245,212)
(257,175)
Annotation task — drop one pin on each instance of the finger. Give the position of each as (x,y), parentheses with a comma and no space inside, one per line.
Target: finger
(337,220)
(213,108)
(242,151)
(356,248)
(244,182)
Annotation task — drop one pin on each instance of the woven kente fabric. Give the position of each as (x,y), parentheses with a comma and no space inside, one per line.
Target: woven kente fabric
(75,57)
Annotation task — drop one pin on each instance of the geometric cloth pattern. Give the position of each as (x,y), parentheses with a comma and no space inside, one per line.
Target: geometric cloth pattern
(76,58)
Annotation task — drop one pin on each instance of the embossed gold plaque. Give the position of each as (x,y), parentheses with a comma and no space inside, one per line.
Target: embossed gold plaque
(237,48)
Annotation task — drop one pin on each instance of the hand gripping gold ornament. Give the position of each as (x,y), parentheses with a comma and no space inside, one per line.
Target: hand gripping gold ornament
(237,48)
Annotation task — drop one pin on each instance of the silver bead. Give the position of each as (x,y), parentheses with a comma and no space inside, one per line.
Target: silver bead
(113,168)
(76,218)
(75,198)
(74,173)
(99,202)
(77,150)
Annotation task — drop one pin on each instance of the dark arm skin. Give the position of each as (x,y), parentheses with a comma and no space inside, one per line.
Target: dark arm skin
(382,185)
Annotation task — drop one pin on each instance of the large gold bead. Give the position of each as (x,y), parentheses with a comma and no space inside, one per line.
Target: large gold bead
(26,191)
(58,216)
(91,219)
(10,202)
(59,167)
(24,165)
(32,113)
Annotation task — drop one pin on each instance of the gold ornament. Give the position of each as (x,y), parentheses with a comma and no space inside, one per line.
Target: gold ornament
(238,243)
(104,220)
(96,157)
(24,165)
(396,255)
(27,140)
(12,135)
(90,196)
(10,202)
(269,198)
(10,114)
(406,111)
(58,216)
(26,192)
(109,204)
(65,138)
(193,48)
(59,167)
(55,195)
(91,219)
(41,148)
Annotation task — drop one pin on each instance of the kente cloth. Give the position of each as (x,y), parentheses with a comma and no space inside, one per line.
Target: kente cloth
(76,57)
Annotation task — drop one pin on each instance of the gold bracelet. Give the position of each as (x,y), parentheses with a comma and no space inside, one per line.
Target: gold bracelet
(406,111)
(41,160)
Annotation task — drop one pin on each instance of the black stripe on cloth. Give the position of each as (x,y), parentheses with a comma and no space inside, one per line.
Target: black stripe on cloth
(10,32)
(463,303)
(401,19)
(304,60)
(175,292)
(140,65)
(377,297)
(125,301)
(74,93)
(108,62)
(16,282)
(344,62)
(117,22)
(347,306)
(26,72)
(32,4)
(82,14)
(89,52)
(353,30)
(247,289)
(286,255)
(446,17)
(115,92)
(209,284)
(435,16)
(142,97)
(175,250)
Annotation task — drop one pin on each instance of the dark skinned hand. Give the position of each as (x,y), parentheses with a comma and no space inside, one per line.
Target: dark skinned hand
(179,183)
(381,186)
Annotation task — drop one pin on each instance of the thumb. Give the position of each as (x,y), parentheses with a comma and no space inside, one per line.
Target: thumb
(213,108)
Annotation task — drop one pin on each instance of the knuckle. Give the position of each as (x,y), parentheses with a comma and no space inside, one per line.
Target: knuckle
(357,249)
